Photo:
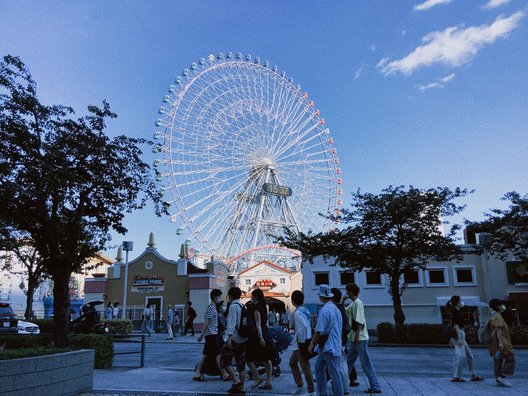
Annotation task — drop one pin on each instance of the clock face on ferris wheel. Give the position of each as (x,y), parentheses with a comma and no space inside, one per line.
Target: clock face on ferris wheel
(244,156)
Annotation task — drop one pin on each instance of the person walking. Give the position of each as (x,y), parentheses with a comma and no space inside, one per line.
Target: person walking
(170,322)
(500,347)
(358,338)
(116,314)
(210,332)
(177,322)
(146,325)
(458,340)
(235,346)
(109,313)
(328,340)
(191,315)
(260,345)
(303,335)
(272,317)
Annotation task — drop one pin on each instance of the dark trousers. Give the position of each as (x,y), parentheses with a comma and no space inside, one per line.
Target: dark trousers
(189,325)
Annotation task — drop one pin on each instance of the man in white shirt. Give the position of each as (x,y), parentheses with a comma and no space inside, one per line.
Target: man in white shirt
(148,314)
(328,340)
(303,334)
(236,345)
(358,338)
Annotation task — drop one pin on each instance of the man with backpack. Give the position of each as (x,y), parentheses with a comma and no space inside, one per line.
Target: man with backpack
(238,328)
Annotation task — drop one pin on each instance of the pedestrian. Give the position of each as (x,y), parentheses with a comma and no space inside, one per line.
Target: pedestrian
(236,345)
(170,322)
(177,322)
(328,340)
(272,317)
(285,318)
(260,347)
(109,313)
(210,332)
(191,315)
(116,314)
(500,347)
(146,325)
(303,336)
(458,340)
(358,338)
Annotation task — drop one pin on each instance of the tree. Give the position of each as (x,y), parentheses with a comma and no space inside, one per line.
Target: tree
(506,229)
(391,233)
(63,181)
(26,255)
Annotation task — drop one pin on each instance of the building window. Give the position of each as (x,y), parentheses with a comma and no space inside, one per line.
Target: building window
(248,282)
(282,281)
(321,278)
(464,276)
(413,278)
(437,277)
(346,277)
(373,279)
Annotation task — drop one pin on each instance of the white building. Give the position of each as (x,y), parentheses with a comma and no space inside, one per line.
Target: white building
(477,279)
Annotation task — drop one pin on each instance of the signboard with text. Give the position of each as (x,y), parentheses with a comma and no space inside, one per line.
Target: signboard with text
(147,284)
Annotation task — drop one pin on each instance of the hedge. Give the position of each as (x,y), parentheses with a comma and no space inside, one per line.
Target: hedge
(119,327)
(103,345)
(426,333)
(45,325)
(30,352)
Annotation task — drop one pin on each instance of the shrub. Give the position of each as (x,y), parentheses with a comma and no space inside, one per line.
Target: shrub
(15,341)
(385,332)
(103,345)
(45,325)
(119,327)
(30,352)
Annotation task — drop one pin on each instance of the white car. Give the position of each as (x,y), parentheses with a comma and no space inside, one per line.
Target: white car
(27,328)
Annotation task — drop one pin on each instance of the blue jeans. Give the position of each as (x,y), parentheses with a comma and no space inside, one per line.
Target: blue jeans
(360,350)
(324,360)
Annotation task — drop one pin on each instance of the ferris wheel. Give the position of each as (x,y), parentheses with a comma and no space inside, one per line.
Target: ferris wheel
(244,155)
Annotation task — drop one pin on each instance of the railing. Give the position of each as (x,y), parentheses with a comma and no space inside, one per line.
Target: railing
(126,339)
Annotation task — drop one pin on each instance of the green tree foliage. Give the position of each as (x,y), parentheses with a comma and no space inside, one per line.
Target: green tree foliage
(507,229)
(63,182)
(391,233)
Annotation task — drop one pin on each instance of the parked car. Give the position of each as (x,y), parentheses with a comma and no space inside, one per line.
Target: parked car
(27,327)
(8,319)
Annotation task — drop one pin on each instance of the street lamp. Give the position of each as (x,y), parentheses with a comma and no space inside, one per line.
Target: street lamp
(127,247)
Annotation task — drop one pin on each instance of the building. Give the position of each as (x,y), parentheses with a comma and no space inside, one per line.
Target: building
(477,279)
(276,282)
(160,281)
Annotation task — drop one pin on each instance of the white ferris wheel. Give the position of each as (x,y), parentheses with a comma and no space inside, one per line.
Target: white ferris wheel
(244,156)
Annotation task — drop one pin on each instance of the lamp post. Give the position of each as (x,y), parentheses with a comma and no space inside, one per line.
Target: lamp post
(127,247)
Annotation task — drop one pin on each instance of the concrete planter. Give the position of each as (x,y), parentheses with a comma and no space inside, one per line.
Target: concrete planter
(67,373)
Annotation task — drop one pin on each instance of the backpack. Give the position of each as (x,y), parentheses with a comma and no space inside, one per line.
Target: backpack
(247,324)
(484,334)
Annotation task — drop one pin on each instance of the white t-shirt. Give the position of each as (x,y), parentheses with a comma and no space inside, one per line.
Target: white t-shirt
(302,328)
(148,313)
(330,322)
(356,311)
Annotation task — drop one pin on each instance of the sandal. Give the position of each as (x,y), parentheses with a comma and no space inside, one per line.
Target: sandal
(200,379)
(477,378)
(458,380)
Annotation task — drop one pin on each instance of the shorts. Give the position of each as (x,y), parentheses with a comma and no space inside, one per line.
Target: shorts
(212,346)
(238,352)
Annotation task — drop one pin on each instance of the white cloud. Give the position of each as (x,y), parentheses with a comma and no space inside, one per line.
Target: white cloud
(428,4)
(439,83)
(372,47)
(358,73)
(490,4)
(455,46)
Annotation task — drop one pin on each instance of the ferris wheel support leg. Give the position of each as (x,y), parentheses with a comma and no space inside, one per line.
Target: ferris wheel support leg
(263,198)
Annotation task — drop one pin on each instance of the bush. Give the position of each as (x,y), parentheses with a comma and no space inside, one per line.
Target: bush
(103,345)
(119,327)
(385,332)
(30,352)
(45,325)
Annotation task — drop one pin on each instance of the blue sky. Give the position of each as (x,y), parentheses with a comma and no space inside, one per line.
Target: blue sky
(429,93)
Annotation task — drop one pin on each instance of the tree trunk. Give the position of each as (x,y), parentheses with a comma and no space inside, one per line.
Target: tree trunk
(61,308)
(29,299)
(399,316)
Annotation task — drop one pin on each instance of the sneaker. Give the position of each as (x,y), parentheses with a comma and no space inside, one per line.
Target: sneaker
(502,382)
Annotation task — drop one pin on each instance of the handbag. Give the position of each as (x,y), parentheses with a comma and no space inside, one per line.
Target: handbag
(303,348)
